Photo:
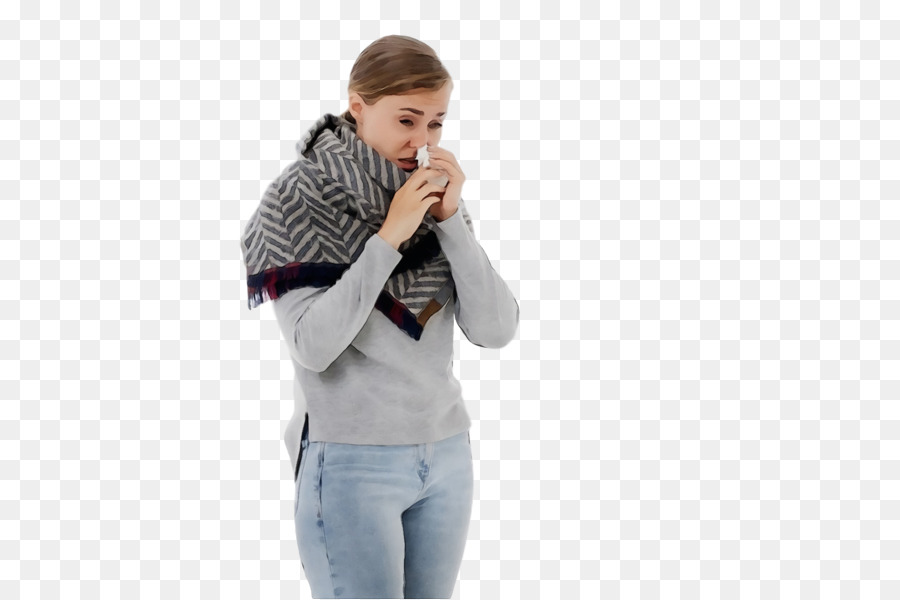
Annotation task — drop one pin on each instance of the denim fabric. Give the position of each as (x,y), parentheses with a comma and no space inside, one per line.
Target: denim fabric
(377,521)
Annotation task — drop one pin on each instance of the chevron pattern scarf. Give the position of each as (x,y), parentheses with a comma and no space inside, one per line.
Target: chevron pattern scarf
(313,222)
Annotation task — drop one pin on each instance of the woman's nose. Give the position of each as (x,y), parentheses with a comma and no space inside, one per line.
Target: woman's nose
(420,139)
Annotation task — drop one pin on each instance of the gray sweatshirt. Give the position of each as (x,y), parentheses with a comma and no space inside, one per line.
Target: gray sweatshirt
(359,378)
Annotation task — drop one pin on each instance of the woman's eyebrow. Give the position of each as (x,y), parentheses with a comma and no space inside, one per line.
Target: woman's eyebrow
(419,112)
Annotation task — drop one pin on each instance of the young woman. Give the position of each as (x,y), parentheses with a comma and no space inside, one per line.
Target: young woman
(369,263)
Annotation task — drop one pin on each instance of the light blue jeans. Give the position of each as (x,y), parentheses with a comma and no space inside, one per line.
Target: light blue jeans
(383,521)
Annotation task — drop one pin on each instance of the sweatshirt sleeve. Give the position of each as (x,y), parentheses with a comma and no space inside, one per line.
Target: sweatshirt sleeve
(319,323)
(486,310)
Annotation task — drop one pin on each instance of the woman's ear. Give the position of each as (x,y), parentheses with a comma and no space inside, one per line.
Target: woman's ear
(355,107)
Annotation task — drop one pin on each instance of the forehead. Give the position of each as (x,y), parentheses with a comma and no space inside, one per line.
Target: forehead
(428,101)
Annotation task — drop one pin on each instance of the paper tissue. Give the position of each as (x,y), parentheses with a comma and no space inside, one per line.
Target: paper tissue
(422,156)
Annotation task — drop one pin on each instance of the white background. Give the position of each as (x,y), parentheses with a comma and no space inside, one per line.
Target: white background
(695,203)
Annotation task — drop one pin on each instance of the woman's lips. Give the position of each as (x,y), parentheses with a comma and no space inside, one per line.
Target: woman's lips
(409,163)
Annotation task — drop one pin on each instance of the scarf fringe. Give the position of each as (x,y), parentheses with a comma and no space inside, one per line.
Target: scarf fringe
(277,281)
(274,282)
(401,316)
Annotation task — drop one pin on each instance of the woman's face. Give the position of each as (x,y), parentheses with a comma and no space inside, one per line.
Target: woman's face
(397,126)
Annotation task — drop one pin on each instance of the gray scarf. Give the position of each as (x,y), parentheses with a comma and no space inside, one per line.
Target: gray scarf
(314,220)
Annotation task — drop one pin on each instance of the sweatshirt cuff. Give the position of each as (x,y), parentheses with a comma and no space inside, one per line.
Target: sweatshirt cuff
(452,226)
(459,244)
(384,250)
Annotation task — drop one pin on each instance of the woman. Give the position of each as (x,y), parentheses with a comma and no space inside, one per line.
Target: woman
(368,264)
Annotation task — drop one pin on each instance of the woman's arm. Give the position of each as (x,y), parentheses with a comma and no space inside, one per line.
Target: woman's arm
(486,310)
(324,321)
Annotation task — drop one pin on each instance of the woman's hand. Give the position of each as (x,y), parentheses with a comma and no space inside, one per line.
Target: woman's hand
(408,207)
(443,160)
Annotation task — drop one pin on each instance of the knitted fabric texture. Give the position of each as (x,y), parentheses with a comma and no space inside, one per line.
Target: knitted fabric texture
(314,220)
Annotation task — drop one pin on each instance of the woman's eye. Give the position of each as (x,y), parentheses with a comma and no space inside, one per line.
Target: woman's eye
(435,125)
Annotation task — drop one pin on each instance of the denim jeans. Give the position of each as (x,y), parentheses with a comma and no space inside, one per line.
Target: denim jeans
(383,521)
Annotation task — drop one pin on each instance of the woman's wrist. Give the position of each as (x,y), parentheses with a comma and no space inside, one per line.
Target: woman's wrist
(390,240)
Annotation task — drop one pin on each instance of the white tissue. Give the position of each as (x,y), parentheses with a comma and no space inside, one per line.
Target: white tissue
(422,156)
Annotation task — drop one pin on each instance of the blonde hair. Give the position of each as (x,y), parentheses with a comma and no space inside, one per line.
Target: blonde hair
(395,64)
